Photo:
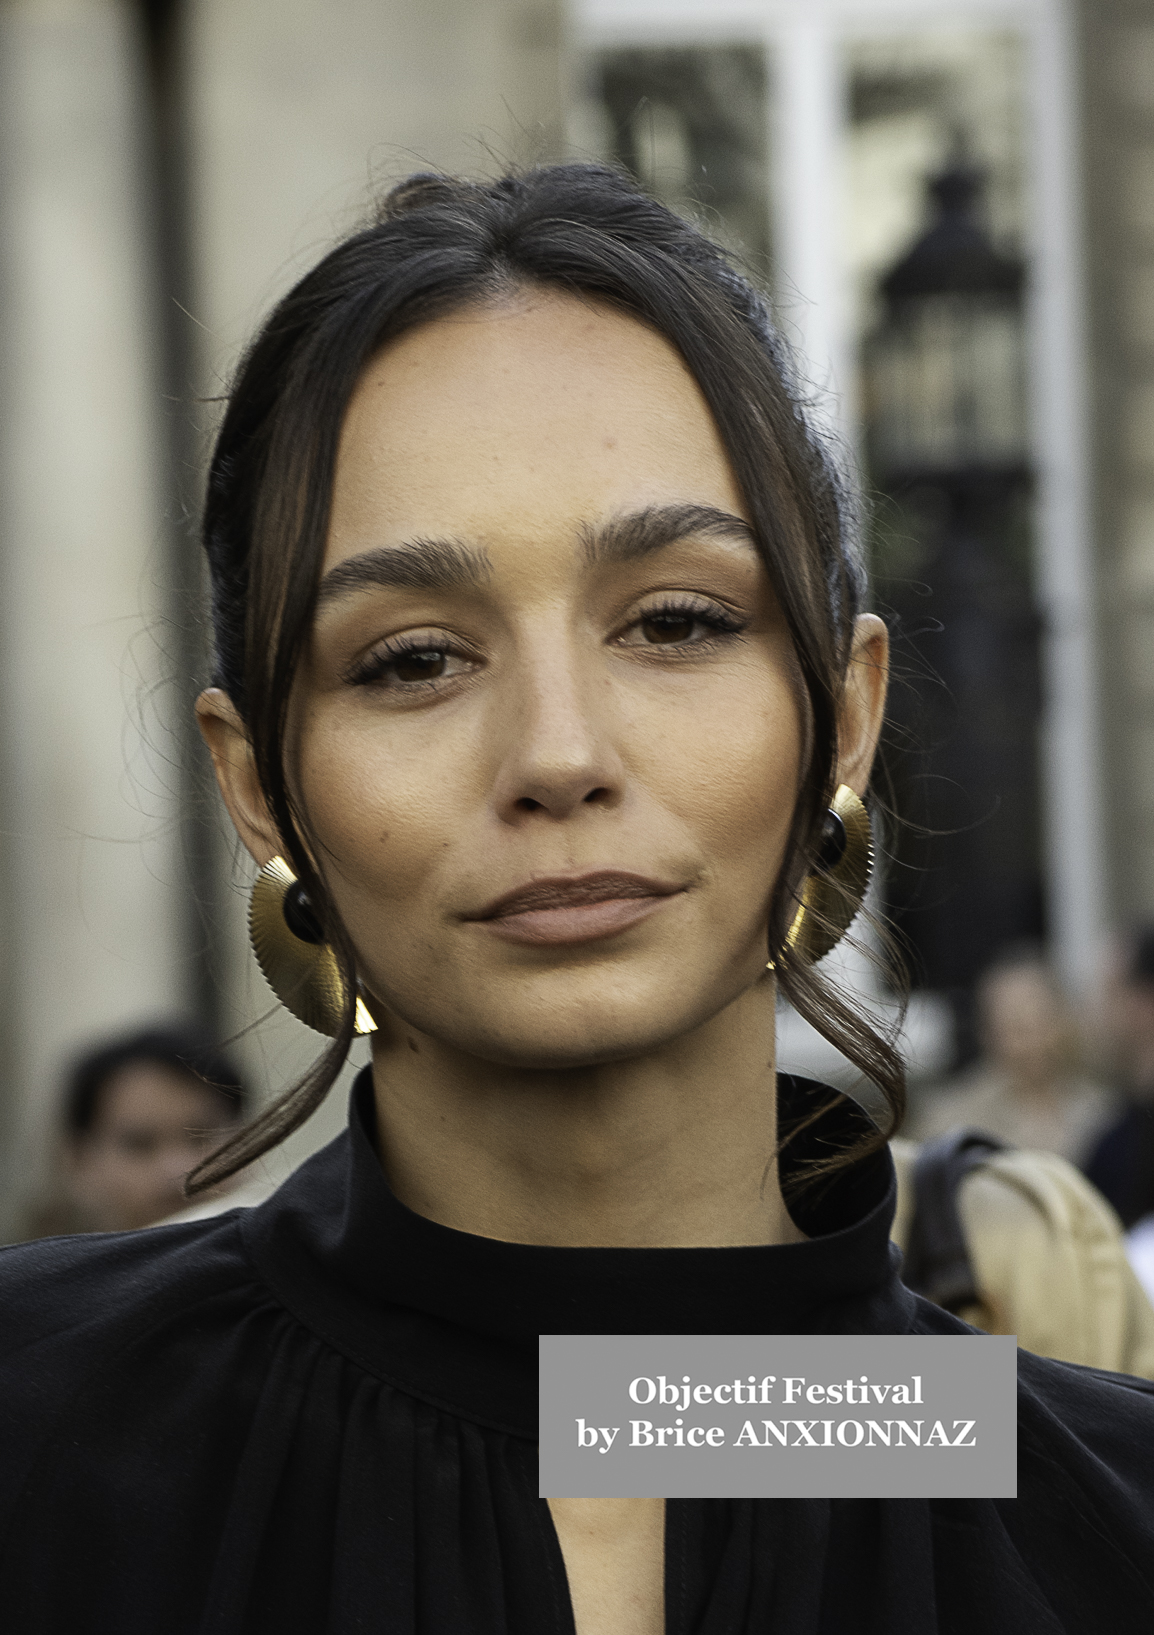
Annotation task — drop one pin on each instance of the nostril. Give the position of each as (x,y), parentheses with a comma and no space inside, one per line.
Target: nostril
(528,804)
(596,796)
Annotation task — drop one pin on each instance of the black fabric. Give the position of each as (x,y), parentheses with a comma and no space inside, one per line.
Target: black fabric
(318,1418)
(937,1260)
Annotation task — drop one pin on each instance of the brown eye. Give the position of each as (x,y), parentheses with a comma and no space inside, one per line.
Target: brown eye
(423,666)
(668,627)
(409,667)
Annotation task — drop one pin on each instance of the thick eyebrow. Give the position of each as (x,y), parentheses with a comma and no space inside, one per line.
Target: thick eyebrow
(418,564)
(447,564)
(635,534)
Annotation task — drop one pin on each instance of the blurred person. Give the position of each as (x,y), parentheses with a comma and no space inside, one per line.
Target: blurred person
(1027,1089)
(1121,1163)
(138,1114)
(545,703)
(1019,1242)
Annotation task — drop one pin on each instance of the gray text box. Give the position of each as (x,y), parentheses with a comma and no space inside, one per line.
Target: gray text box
(815,1416)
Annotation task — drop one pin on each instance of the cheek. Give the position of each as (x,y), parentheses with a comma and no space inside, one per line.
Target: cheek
(735,777)
(383,812)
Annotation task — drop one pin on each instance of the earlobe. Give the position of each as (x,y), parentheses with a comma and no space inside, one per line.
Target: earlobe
(228,743)
(863,702)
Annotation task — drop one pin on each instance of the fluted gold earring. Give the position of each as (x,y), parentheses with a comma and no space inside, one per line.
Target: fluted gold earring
(833,894)
(298,964)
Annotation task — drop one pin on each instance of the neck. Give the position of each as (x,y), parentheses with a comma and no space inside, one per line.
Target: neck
(673,1148)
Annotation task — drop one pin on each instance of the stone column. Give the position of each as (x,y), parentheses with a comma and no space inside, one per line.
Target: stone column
(300,112)
(1118,126)
(89,940)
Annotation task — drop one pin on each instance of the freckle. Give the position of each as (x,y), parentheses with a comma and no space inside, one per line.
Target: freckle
(611,442)
(414,1047)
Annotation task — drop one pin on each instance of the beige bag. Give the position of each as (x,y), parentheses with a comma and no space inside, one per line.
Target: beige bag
(1047,1257)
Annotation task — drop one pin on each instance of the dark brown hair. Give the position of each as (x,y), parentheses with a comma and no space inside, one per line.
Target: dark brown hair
(438,245)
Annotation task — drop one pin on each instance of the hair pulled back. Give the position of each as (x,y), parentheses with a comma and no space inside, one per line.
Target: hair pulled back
(438,245)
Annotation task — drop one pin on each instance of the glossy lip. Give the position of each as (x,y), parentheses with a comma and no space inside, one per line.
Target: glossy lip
(575,908)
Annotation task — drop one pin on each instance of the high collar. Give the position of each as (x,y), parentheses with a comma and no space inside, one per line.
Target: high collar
(454,1318)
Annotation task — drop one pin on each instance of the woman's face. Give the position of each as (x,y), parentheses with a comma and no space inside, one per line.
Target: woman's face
(546,735)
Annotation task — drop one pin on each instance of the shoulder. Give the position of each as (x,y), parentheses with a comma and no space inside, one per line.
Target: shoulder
(1068,1412)
(104,1282)
(1074,1549)
(65,1303)
(1086,1449)
(86,1319)
(1094,1406)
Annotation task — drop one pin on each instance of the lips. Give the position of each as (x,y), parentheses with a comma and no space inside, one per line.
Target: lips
(576,908)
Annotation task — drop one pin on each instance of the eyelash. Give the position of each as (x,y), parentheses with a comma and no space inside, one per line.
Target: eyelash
(375,665)
(720,621)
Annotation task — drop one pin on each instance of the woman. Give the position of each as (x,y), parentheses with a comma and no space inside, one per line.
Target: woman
(539,664)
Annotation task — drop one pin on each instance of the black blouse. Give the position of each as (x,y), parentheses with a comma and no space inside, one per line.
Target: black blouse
(318,1417)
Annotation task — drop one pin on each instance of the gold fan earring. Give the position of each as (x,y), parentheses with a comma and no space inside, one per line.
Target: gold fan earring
(298,964)
(833,894)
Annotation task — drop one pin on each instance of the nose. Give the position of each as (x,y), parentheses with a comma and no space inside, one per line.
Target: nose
(558,752)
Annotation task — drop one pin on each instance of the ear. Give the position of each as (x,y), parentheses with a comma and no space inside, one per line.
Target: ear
(232,760)
(863,702)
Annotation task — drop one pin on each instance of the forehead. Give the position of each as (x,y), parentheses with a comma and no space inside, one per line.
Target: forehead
(527,414)
(143,1087)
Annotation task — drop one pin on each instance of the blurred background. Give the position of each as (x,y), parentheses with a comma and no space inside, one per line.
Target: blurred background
(951,203)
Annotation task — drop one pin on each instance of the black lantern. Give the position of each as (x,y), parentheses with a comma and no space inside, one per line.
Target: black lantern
(946,378)
(947,435)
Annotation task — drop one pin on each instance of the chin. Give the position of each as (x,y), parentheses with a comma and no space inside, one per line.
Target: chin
(555,1051)
(544,1043)
(535,1028)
